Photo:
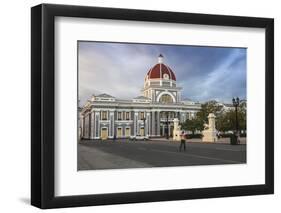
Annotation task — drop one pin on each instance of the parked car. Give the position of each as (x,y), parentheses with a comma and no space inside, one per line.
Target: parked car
(139,137)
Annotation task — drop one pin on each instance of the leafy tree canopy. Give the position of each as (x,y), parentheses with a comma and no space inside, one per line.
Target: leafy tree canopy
(225,119)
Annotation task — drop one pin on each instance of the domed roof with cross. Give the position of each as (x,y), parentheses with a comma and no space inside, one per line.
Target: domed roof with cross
(161,71)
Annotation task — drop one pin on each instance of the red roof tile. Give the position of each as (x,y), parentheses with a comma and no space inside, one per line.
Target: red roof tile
(159,69)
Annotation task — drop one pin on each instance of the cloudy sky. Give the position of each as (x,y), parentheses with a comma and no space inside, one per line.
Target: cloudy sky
(119,69)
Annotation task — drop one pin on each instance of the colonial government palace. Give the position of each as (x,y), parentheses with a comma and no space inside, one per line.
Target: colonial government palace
(151,114)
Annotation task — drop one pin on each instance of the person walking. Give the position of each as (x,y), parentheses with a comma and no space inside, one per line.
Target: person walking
(182,144)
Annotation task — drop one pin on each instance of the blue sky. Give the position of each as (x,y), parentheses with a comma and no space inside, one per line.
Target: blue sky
(119,69)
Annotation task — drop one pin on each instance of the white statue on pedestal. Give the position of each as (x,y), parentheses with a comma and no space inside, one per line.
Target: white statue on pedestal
(177,130)
(210,132)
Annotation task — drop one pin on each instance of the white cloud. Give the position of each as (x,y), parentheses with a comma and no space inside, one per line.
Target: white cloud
(120,69)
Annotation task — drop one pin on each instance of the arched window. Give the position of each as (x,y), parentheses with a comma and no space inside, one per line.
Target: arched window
(166,99)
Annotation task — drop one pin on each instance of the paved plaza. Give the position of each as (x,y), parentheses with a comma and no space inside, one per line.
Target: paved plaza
(119,154)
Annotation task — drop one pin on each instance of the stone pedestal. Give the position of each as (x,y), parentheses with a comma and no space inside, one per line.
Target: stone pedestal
(177,130)
(210,132)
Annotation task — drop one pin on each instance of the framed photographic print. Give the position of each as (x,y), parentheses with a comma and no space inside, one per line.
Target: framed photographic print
(139,106)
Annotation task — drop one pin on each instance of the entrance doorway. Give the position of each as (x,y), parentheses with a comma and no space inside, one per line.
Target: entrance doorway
(164,130)
(119,132)
(127,132)
(171,130)
(142,131)
(104,133)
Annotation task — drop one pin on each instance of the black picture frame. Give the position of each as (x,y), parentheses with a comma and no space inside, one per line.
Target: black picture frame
(43,105)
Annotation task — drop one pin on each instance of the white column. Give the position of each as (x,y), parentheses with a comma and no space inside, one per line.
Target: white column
(153,123)
(147,124)
(92,125)
(111,124)
(82,126)
(158,123)
(97,126)
(135,123)
(87,126)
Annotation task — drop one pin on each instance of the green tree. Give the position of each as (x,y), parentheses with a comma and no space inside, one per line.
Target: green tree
(206,109)
(226,121)
(192,125)
(201,117)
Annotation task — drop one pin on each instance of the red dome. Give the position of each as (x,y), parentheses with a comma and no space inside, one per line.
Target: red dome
(161,69)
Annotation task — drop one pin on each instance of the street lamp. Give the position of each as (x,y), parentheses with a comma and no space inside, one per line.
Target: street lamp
(236,103)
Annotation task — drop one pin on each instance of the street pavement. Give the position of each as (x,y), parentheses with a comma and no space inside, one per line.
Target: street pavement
(121,154)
